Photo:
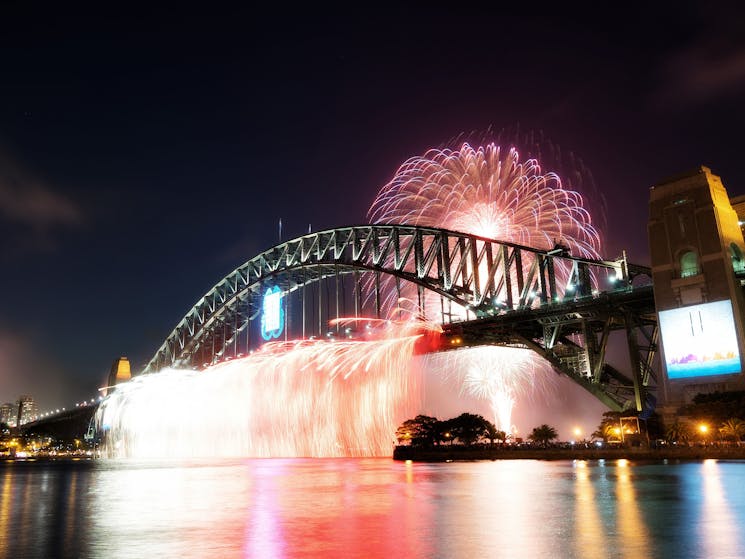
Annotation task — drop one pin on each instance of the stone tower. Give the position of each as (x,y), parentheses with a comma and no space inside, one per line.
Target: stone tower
(120,372)
(696,249)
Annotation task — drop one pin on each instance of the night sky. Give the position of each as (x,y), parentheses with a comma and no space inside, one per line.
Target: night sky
(144,158)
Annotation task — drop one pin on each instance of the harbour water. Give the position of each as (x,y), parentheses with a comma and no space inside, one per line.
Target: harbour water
(373,508)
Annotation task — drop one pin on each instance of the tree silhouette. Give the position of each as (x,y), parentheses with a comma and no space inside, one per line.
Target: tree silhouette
(679,432)
(609,428)
(423,430)
(543,435)
(733,429)
(468,428)
(716,407)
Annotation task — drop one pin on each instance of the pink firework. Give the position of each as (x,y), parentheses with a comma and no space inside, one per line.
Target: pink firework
(487,191)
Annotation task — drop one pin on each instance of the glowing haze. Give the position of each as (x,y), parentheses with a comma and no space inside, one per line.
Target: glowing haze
(487,191)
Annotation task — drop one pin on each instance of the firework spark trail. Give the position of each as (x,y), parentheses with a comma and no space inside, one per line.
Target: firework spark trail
(487,191)
(306,398)
(496,375)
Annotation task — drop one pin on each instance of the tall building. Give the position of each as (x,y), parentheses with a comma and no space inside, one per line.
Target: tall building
(26,410)
(698,257)
(120,372)
(9,414)
(738,204)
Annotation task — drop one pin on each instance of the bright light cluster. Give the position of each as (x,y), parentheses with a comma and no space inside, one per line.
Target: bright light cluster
(311,398)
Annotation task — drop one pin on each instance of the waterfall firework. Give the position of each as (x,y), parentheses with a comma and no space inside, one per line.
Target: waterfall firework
(290,399)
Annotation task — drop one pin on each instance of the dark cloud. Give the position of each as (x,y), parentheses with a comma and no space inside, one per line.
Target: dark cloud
(32,213)
(701,75)
(27,201)
(710,67)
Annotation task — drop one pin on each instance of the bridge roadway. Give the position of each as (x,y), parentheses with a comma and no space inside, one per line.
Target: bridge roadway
(573,336)
(65,426)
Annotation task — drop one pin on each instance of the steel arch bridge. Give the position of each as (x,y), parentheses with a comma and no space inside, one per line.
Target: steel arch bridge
(503,293)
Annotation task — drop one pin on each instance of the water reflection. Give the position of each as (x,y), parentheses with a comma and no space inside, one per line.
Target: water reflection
(5,516)
(372,508)
(588,530)
(718,530)
(631,526)
(264,537)
(40,510)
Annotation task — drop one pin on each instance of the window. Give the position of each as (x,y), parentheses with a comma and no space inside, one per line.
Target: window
(738,263)
(688,264)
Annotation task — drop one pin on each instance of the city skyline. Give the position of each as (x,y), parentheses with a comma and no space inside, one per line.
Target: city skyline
(142,160)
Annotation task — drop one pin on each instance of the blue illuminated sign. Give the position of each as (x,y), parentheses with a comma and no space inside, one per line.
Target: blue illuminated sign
(272,314)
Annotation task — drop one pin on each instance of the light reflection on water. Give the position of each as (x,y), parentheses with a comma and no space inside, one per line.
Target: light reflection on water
(372,508)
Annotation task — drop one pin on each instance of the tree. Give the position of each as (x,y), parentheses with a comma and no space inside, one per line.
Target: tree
(610,427)
(543,435)
(679,432)
(491,432)
(716,407)
(733,429)
(423,430)
(468,428)
(500,436)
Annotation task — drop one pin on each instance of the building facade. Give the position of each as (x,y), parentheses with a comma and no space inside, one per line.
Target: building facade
(9,414)
(27,411)
(697,256)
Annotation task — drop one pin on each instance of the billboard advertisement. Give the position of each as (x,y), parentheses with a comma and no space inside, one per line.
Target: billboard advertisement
(700,340)
(272,314)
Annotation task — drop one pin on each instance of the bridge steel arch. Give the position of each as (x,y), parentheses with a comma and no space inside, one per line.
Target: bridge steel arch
(489,278)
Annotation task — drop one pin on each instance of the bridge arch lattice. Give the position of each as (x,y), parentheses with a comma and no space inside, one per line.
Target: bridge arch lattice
(485,277)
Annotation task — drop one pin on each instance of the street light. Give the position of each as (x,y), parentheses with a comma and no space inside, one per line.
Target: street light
(703,429)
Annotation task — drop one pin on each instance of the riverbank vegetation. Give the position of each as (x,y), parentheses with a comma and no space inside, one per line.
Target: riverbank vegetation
(712,425)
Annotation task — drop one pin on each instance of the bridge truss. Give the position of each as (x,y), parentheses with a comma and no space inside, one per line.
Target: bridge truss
(487,291)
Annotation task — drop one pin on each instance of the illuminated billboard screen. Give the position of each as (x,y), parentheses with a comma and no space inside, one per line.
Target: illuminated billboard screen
(272,314)
(700,340)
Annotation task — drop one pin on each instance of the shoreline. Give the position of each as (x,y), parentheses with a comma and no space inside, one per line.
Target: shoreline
(457,453)
(462,453)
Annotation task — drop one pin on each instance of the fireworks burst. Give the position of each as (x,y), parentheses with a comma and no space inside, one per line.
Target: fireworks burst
(497,375)
(488,191)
